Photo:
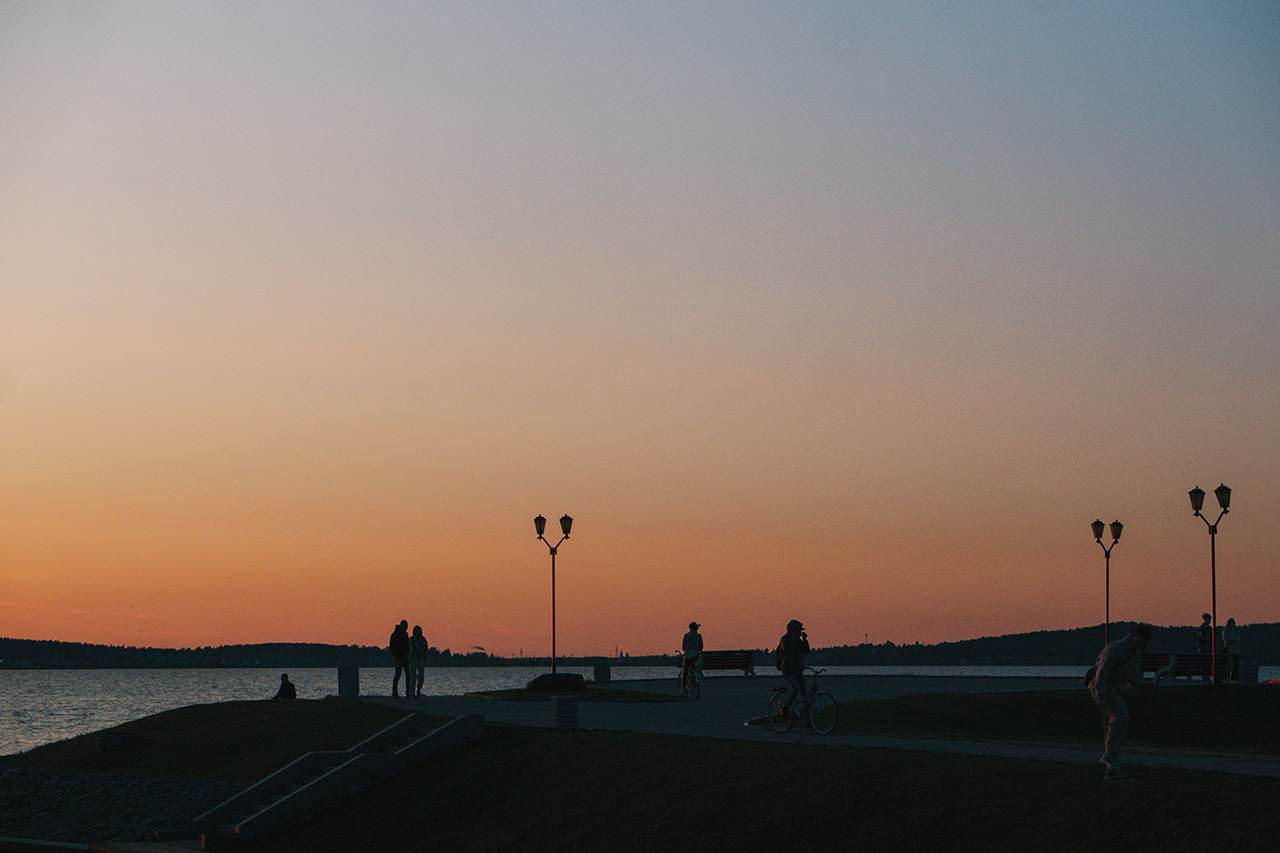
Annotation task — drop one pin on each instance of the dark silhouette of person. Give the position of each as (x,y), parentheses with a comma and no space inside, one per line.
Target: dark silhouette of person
(1204,637)
(1231,645)
(287,690)
(1119,664)
(794,645)
(399,647)
(418,663)
(691,645)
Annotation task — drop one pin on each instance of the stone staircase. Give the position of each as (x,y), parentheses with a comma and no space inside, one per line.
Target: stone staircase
(317,780)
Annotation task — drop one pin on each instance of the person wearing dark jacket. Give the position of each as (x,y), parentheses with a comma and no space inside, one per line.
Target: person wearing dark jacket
(399,647)
(794,646)
(1119,665)
(287,690)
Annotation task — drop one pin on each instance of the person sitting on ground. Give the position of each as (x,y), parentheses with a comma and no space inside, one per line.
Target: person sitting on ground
(286,690)
(692,648)
(792,648)
(417,663)
(1119,664)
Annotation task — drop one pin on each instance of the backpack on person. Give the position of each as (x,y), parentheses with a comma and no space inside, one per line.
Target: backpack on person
(779,657)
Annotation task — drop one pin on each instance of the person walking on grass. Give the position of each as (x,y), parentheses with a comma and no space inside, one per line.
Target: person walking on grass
(399,648)
(1119,665)
(792,648)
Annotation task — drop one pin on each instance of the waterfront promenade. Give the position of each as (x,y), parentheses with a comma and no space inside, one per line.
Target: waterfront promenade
(729,703)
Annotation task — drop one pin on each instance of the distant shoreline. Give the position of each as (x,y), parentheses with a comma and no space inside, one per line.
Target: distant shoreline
(1070,647)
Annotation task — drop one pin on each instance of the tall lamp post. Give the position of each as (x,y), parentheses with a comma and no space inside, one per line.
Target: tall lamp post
(540,524)
(1223,494)
(1116,528)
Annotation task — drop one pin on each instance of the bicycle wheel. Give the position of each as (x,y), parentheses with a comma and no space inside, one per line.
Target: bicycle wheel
(778,718)
(695,686)
(822,713)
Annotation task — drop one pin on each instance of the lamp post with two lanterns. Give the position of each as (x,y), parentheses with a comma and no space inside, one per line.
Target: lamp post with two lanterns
(540,525)
(1116,529)
(1223,494)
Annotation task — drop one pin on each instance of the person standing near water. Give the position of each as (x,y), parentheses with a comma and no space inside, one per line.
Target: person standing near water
(417,663)
(1204,638)
(1119,664)
(1231,644)
(399,647)
(691,645)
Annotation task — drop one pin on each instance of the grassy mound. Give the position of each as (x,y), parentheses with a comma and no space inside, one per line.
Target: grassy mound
(232,741)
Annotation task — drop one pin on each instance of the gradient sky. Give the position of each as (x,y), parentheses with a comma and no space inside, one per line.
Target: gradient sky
(857,313)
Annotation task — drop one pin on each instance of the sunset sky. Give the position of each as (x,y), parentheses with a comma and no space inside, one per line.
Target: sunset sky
(857,313)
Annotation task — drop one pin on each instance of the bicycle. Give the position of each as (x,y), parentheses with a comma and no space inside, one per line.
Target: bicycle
(693,685)
(822,707)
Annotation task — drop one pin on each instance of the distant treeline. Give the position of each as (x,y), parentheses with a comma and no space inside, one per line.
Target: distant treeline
(54,654)
(1261,645)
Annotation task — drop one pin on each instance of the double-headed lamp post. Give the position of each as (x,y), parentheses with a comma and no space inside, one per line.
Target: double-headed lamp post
(1116,528)
(1223,494)
(540,525)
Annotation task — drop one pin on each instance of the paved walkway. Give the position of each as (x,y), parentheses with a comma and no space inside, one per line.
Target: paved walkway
(728,703)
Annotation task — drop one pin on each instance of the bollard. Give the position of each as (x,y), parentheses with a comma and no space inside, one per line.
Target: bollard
(564,713)
(349,682)
(602,673)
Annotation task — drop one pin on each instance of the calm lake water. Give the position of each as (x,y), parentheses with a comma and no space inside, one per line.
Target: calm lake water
(42,706)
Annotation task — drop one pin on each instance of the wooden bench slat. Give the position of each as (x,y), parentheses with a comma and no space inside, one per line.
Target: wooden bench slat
(729,659)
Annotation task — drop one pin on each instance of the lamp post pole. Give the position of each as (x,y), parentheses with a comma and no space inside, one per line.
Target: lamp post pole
(1223,494)
(540,525)
(1116,529)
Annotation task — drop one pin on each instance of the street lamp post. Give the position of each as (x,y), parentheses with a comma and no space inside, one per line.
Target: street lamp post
(540,524)
(1223,494)
(1116,528)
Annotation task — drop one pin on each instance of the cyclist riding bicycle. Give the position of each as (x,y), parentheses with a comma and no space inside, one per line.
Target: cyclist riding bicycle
(692,648)
(792,648)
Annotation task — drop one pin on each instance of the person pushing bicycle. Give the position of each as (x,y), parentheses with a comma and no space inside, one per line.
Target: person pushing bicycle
(792,648)
(692,648)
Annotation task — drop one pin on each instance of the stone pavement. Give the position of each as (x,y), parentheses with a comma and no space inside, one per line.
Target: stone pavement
(728,703)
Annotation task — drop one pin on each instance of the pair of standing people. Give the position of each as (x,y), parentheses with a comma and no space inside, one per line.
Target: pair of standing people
(410,656)
(1230,646)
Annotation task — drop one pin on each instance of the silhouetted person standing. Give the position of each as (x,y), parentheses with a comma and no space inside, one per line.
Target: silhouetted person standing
(1204,637)
(287,690)
(1231,644)
(400,654)
(794,646)
(1119,664)
(691,645)
(417,663)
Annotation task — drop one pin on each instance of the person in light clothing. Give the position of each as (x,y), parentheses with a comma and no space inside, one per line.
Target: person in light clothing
(1119,665)
(1231,645)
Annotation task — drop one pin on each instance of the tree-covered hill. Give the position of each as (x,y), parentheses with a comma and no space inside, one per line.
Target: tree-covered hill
(1077,646)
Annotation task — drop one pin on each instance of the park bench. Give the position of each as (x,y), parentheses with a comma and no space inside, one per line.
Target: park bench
(1186,665)
(735,659)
